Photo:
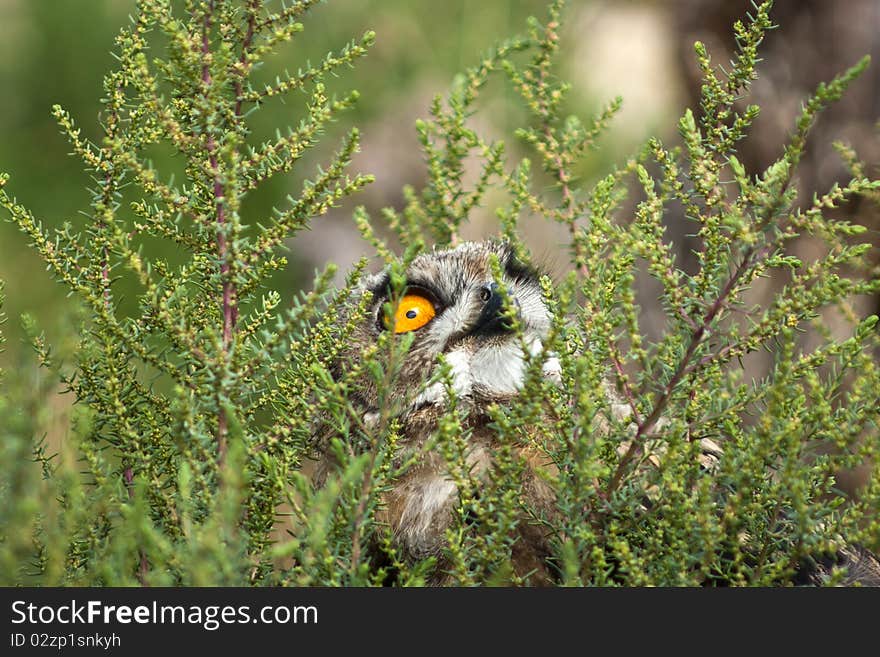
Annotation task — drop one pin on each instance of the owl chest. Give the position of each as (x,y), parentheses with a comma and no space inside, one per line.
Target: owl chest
(476,376)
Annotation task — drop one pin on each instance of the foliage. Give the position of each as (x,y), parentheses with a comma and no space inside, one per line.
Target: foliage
(196,404)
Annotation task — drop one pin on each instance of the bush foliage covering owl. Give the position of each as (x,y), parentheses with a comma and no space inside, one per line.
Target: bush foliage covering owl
(453,307)
(476,320)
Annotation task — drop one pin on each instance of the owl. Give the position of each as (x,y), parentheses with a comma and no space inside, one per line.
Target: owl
(453,307)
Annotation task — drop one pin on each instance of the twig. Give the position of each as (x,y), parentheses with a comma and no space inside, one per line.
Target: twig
(230,306)
(143,566)
(684,368)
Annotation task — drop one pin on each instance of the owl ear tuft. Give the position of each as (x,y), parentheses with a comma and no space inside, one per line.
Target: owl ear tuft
(517,270)
(379,287)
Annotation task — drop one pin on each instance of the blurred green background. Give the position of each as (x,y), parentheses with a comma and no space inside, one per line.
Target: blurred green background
(57,52)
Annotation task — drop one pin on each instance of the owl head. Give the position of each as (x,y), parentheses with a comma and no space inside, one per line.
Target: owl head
(453,306)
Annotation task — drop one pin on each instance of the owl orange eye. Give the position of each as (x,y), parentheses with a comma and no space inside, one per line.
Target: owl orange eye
(413,312)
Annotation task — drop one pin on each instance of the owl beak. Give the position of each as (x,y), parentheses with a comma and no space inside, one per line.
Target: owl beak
(492,320)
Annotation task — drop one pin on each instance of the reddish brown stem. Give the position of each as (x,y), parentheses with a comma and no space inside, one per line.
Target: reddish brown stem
(254,5)
(229,302)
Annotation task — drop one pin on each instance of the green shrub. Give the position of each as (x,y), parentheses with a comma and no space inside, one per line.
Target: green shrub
(195,404)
